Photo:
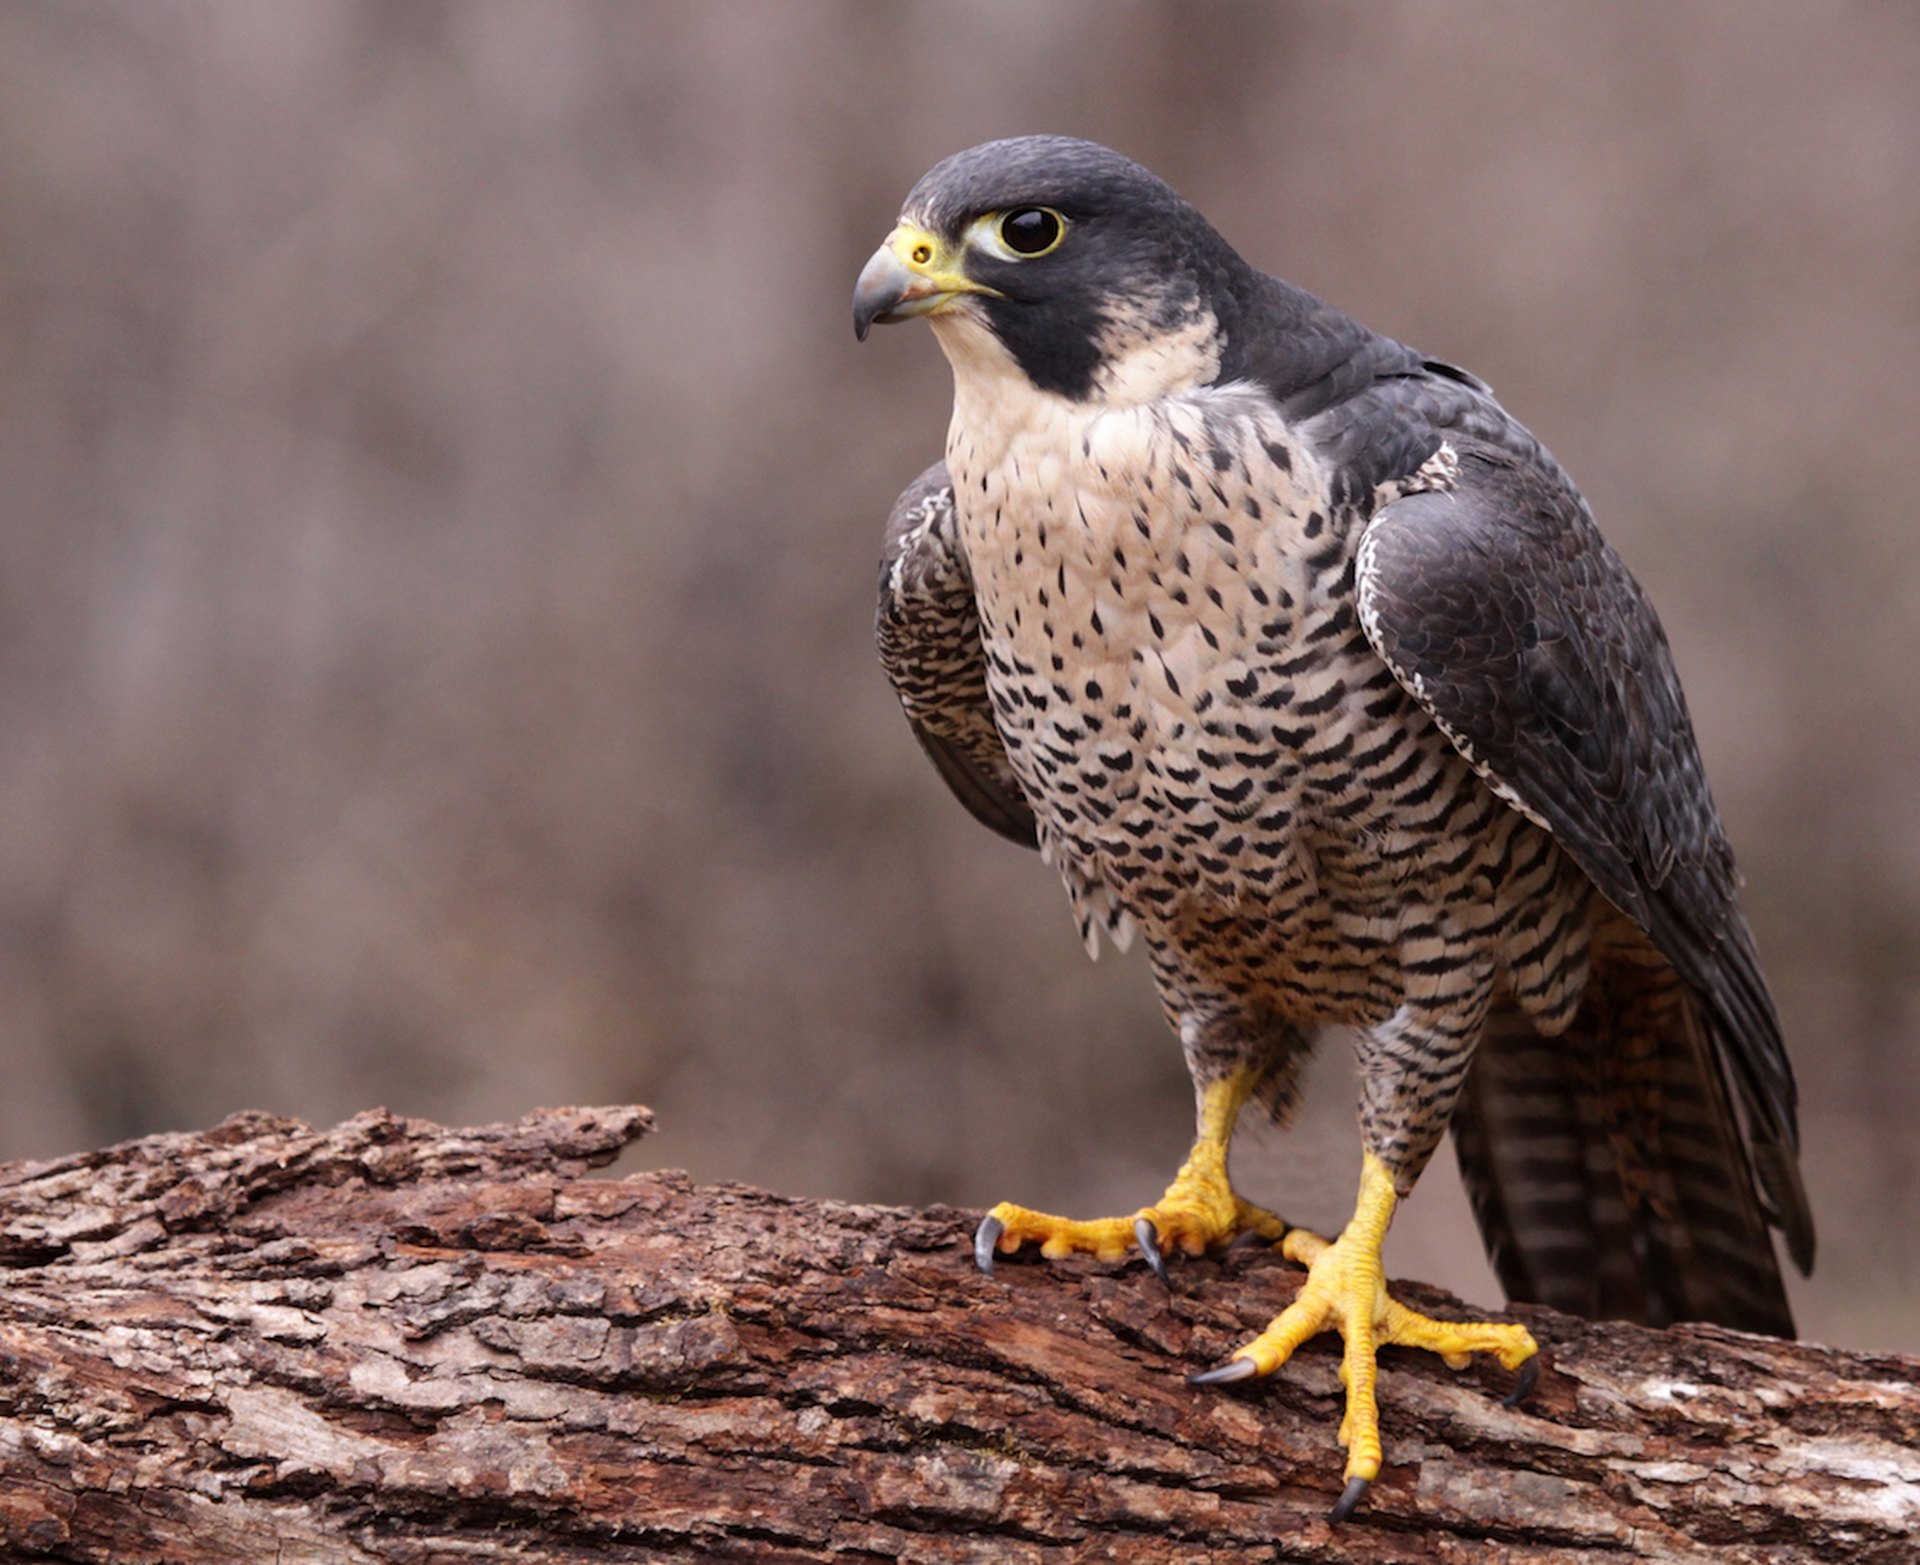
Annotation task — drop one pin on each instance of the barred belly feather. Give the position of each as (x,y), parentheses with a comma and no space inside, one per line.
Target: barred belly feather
(1178,671)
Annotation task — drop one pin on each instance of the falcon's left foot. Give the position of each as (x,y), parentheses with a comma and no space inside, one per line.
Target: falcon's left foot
(1346,1291)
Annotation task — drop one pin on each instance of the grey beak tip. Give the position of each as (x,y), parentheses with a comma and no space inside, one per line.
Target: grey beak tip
(884,283)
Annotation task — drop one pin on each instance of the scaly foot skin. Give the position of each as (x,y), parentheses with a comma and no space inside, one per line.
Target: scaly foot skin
(1346,1291)
(1172,1223)
(1199,1211)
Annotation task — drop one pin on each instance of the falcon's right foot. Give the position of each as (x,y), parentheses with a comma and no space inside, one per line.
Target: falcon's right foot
(1170,1224)
(1199,1211)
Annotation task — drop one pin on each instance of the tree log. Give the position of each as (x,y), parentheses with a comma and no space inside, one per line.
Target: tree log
(394,1342)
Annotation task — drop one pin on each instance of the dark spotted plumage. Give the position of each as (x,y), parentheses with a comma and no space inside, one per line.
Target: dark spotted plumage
(1290,648)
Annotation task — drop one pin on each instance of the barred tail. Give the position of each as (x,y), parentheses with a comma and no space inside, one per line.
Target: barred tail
(1606,1168)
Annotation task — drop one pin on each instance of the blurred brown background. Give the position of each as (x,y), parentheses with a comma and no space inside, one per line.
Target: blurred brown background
(439,497)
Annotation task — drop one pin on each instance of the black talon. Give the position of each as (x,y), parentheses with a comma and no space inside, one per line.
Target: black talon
(1351,1496)
(985,1237)
(1523,1386)
(1148,1238)
(1220,1374)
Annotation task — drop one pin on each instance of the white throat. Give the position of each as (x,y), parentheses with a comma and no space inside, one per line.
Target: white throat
(995,405)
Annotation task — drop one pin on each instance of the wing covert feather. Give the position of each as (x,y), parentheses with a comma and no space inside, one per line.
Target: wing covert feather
(928,632)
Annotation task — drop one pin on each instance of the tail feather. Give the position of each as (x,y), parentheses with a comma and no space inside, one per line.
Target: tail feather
(1606,1166)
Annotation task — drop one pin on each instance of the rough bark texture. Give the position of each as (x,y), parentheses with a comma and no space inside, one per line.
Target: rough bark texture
(395,1342)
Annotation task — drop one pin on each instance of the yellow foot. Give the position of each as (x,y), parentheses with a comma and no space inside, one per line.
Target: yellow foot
(1169,1224)
(1200,1210)
(1346,1292)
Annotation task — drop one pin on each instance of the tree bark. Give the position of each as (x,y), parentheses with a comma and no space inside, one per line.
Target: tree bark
(394,1342)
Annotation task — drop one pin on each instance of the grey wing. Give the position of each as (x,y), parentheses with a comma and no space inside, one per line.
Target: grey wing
(928,633)
(1506,615)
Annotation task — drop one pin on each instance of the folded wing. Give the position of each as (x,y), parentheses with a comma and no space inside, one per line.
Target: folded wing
(1664,1120)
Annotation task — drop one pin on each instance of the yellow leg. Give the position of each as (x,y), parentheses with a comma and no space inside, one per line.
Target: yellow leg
(1346,1291)
(1199,1210)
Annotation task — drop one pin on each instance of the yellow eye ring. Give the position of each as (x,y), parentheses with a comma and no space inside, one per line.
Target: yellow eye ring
(1032,231)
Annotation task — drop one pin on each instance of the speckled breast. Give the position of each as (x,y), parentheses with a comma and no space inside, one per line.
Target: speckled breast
(1187,696)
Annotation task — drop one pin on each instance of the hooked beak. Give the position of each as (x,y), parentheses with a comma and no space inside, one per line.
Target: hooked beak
(913,273)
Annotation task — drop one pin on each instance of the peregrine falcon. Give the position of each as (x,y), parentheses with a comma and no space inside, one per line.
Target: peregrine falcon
(1293,652)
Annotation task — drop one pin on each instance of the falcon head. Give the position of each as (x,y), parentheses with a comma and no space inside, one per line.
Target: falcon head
(1090,275)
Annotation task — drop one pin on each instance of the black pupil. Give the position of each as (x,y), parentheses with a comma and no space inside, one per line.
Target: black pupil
(1030,230)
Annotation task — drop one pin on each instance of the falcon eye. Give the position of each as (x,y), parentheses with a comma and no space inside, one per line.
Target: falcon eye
(1031,230)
